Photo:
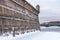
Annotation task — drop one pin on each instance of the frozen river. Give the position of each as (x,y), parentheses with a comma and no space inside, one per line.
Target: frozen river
(51,28)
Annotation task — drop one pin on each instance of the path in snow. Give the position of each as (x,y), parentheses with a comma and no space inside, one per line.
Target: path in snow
(35,36)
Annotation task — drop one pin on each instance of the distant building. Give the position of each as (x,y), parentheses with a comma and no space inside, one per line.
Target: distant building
(18,15)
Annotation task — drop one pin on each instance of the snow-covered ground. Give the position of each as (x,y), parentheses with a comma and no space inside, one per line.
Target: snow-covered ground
(37,35)
(46,33)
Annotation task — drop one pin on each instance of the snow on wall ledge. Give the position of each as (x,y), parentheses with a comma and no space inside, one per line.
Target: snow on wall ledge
(34,36)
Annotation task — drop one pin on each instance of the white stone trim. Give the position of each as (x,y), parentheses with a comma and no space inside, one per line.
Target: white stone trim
(14,18)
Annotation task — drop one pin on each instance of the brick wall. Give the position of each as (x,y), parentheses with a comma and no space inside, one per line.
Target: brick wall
(18,14)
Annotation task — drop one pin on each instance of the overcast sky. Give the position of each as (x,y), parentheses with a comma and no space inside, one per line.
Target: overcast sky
(50,9)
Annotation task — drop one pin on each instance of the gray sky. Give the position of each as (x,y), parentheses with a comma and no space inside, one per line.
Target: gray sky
(50,9)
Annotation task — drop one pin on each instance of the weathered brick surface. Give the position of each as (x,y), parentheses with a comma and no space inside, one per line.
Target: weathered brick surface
(18,14)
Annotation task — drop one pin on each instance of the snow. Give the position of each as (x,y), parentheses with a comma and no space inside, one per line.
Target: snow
(37,35)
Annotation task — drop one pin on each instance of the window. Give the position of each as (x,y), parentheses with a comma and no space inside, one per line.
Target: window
(1,1)
(0,10)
